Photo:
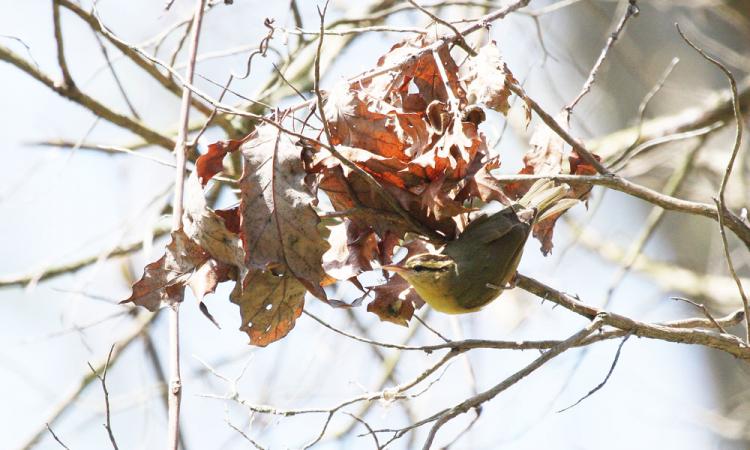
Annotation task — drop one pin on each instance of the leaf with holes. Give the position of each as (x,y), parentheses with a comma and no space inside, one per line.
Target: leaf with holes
(269,305)
(279,226)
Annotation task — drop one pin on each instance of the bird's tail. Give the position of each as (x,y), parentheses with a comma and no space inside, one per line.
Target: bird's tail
(547,199)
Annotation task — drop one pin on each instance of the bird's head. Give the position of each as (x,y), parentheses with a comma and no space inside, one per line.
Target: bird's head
(427,272)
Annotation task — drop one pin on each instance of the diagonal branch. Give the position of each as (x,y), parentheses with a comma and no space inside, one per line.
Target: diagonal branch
(720,204)
(144,64)
(71,92)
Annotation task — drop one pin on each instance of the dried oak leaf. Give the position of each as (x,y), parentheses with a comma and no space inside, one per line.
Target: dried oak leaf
(164,280)
(212,162)
(488,78)
(209,229)
(353,124)
(231,218)
(205,280)
(482,185)
(457,149)
(269,305)
(353,247)
(395,301)
(550,155)
(437,201)
(416,83)
(279,225)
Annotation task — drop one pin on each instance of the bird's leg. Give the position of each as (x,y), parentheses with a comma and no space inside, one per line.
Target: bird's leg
(512,282)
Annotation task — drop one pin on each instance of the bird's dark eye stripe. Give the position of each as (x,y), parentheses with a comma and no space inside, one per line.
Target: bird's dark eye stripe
(429,268)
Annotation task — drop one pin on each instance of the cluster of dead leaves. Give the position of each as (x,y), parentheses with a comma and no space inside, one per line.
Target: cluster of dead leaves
(414,129)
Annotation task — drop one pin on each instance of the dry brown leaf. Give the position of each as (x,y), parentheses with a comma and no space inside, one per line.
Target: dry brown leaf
(418,82)
(481,184)
(437,201)
(164,280)
(207,228)
(395,301)
(207,277)
(550,155)
(212,162)
(488,79)
(352,250)
(353,124)
(269,305)
(279,225)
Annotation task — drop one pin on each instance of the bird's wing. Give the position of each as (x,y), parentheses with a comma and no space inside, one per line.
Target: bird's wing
(485,229)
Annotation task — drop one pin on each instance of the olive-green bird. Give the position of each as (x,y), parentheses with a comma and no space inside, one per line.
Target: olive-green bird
(474,269)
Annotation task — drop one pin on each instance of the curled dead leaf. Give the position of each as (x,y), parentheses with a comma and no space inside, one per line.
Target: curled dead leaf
(395,301)
(164,280)
(212,162)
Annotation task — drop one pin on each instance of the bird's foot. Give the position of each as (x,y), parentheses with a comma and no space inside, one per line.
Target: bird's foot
(499,288)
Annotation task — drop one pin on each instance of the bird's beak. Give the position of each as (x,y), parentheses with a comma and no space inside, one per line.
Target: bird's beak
(393,268)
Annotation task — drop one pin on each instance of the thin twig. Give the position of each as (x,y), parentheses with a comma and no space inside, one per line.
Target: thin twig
(61,61)
(55,436)
(73,266)
(175,380)
(426,325)
(103,379)
(653,220)
(725,342)
(115,77)
(606,378)
(644,105)
(720,204)
(550,121)
(705,311)
(731,220)
(649,145)
(631,11)
(243,434)
(460,41)
(444,416)
(93,21)
(142,323)
(72,93)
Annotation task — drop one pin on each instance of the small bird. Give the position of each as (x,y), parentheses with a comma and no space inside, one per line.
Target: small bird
(474,269)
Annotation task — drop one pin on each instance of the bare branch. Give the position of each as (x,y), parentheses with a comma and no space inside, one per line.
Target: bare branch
(55,437)
(443,417)
(720,204)
(72,93)
(61,61)
(725,342)
(732,221)
(174,394)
